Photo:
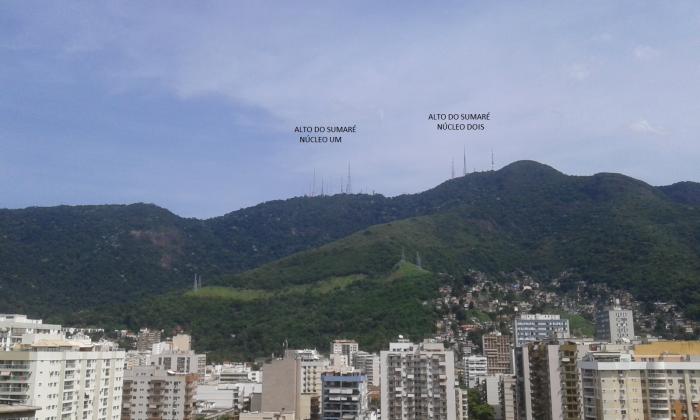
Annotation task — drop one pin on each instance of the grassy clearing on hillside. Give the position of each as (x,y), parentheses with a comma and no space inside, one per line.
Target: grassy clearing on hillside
(578,325)
(250,295)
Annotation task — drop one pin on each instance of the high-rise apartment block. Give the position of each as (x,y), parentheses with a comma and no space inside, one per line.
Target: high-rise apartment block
(147,338)
(549,381)
(293,383)
(368,364)
(14,326)
(417,382)
(614,325)
(152,392)
(475,370)
(344,395)
(539,327)
(64,379)
(499,353)
(655,381)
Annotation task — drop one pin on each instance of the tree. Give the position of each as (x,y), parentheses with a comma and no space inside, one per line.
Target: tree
(478,409)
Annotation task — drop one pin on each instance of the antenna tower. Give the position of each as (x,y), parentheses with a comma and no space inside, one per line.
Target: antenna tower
(348,187)
(464,161)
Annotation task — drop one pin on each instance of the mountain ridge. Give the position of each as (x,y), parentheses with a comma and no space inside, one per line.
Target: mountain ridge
(80,257)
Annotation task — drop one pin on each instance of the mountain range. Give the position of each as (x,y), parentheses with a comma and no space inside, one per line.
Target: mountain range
(355,265)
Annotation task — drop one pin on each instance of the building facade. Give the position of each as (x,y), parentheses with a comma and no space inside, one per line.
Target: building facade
(368,364)
(63,379)
(539,327)
(417,382)
(344,395)
(151,392)
(630,385)
(475,370)
(615,325)
(498,350)
(14,326)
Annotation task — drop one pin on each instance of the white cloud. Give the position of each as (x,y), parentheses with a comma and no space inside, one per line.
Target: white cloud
(645,52)
(644,126)
(579,72)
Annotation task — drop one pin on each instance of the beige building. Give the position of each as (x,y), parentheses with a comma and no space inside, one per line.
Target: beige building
(498,350)
(655,381)
(147,338)
(151,392)
(293,384)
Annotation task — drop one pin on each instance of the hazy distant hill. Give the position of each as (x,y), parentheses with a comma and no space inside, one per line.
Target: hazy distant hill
(527,216)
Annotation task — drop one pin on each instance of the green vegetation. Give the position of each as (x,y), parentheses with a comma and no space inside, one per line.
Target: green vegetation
(303,268)
(370,310)
(478,408)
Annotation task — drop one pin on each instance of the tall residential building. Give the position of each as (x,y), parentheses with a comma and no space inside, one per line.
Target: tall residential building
(293,384)
(614,325)
(475,370)
(152,392)
(14,326)
(539,327)
(509,397)
(146,339)
(181,361)
(182,342)
(499,353)
(368,364)
(549,381)
(659,380)
(64,379)
(417,382)
(344,395)
(346,348)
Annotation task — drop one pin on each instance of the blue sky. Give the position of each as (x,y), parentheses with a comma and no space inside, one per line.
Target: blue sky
(192,105)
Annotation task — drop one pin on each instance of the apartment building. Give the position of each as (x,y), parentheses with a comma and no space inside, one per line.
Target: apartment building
(417,382)
(508,390)
(549,380)
(475,370)
(648,382)
(368,364)
(63,379)
(498,350)
(181,361)
(14,326)
(344,395)
(293,383)
(345,348)
(147,338)
(615,325)
(529,328)
(152,392)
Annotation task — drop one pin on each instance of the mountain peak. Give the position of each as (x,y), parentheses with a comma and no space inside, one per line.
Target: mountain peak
(528,166)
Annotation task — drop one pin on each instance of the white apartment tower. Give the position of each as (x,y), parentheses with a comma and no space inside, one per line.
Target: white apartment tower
(14,326)
(615,325)
(65,379)
(475,370)
(417,382)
